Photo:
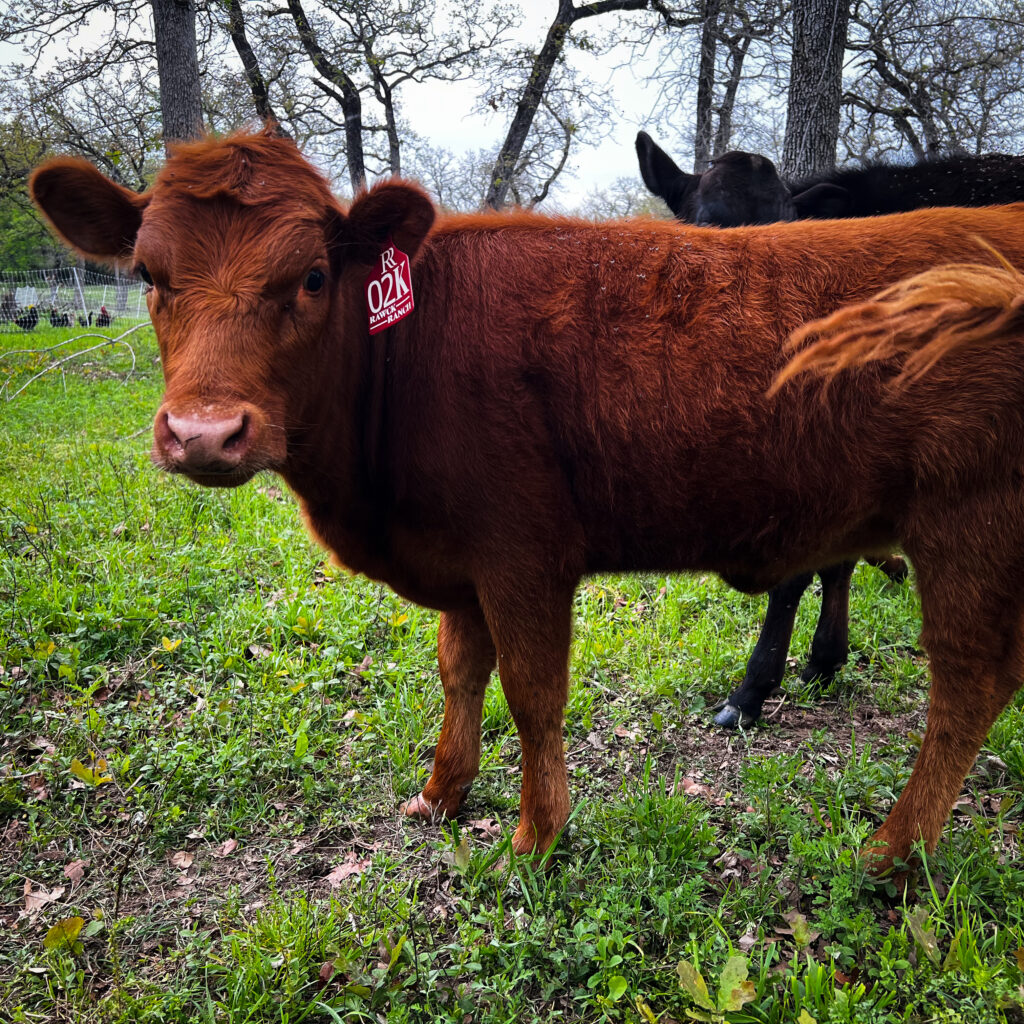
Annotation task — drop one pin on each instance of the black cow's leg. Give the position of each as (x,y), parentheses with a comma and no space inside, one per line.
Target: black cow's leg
(831,643)
(768,662)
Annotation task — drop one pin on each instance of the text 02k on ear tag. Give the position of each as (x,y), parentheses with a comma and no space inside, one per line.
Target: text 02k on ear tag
(389,289)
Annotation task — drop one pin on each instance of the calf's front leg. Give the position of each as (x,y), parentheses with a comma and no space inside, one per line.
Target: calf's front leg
(466,658)
(532,629)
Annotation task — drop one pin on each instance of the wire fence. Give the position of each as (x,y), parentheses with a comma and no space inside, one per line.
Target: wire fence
(68,297)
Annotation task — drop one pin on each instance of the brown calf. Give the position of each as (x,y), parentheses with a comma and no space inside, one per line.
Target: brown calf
(571,398)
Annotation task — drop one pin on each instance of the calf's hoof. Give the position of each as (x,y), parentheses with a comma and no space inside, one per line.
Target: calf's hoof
(530,844)
(877,859)
(733,717)
(423,807)
(889,859)
(420,807)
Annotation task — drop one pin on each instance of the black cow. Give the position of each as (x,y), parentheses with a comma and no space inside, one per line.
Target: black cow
(896,188)
(739,188)
(744,188)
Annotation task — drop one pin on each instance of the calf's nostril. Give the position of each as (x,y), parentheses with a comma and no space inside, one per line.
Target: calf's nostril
(237,439)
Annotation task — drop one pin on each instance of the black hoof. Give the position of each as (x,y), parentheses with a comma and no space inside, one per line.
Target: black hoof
(732,717)
(894,567)
(898,573)
(813,673)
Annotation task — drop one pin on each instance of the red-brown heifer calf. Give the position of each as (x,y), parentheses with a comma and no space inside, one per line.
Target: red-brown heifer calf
(571,398)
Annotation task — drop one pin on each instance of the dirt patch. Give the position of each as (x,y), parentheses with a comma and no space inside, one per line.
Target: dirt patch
(692,747)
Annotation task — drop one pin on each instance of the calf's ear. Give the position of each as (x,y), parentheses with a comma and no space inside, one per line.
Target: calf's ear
(90,212)
(394,209)
(662,175)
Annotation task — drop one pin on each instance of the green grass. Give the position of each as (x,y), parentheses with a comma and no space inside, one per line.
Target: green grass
(222,726)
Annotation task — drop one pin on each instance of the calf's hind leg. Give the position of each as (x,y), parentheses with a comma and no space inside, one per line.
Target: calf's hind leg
(893,566)
(976,656)
(466,658)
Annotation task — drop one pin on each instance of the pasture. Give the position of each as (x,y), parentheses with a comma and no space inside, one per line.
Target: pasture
(207,731)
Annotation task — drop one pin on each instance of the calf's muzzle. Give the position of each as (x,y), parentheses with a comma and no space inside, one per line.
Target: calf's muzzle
(208,443)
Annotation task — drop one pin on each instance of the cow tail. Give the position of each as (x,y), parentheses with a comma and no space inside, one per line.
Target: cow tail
(947,309)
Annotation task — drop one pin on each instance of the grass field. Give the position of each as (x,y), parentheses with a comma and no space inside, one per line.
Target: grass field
(207,731)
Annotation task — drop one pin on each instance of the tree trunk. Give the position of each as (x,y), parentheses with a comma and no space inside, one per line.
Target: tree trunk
(706,87)
(505,165)
(347,97)
(253,74)
(815,87)
(174,27)
(391,125)
(540,73)
(723,135)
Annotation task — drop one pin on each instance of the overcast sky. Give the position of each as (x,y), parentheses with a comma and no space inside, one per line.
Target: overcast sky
(443,111)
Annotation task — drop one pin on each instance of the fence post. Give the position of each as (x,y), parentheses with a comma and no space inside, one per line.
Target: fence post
(121,291)
(78,288)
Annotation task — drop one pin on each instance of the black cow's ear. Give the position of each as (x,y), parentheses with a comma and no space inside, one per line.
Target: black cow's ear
(662,176)
(394,209)
(822,201)
(93,214)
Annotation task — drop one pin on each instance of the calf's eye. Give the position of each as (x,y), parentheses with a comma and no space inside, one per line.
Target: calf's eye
(314,281)
(144,273)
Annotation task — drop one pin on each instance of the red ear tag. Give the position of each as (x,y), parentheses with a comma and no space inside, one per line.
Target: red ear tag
(389,289)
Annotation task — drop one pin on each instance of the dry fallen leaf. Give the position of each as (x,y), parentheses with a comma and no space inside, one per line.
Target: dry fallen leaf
(351,865)
(690,787)
(76,870)
(799,928)
(37,788)
(325,973)
(36,899)
(226,848)
(182,860)
(489,826)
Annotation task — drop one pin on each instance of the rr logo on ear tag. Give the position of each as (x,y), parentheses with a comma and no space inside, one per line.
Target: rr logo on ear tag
(389,289)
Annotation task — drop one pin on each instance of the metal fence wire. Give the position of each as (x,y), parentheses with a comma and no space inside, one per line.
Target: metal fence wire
(68,297)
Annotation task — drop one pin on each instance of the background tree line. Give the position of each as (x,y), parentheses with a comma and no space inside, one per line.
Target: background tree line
(806,82)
